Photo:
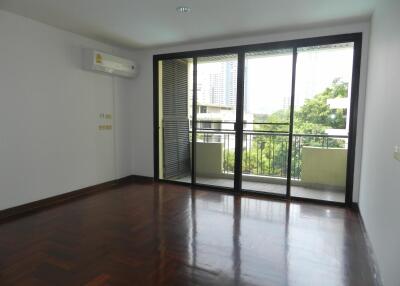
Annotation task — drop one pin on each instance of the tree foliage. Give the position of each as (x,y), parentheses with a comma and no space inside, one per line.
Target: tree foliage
(315,116)
(267,154)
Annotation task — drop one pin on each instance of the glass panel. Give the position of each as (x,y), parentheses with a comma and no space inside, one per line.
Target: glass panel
(267,98)
(175,113)
(321,122)
(216,116)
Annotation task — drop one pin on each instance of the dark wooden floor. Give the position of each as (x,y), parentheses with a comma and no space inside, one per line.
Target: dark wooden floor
(161,234)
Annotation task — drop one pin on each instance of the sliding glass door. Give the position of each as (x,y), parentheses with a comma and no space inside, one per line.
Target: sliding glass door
(267,99)
(321,121)
(274,118)
(216,106)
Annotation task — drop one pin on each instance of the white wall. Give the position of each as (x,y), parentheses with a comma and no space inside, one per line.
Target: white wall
(49,114)
(142,104)
(380,180)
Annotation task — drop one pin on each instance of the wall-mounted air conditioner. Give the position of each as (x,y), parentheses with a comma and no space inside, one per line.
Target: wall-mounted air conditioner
(106,63)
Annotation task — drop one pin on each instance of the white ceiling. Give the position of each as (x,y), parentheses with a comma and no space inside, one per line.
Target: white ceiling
(152,23)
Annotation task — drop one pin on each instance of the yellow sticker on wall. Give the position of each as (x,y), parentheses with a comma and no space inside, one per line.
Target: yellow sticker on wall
(99,59)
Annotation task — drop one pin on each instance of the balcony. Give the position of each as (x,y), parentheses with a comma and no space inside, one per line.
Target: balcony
(318,163)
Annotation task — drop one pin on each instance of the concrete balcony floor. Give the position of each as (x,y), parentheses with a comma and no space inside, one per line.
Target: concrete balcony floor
(296,191)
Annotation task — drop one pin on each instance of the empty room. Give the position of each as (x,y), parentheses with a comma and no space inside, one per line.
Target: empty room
(183,142)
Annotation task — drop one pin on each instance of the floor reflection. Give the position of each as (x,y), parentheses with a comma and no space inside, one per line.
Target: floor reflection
(164,234)
(235,240)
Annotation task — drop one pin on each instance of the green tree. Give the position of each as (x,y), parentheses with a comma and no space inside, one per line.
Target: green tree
(269,152)
(315,116)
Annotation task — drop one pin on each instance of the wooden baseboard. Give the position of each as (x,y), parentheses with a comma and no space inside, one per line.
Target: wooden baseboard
(355,207)
(372,258)
(141,179)
(14,212)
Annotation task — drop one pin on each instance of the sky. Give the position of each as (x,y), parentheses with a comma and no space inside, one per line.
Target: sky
(268,77)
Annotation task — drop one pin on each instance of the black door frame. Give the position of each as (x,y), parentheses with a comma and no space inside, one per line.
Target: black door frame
(356,38)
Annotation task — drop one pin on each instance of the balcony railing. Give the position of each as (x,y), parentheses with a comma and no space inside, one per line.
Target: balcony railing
(266,154)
